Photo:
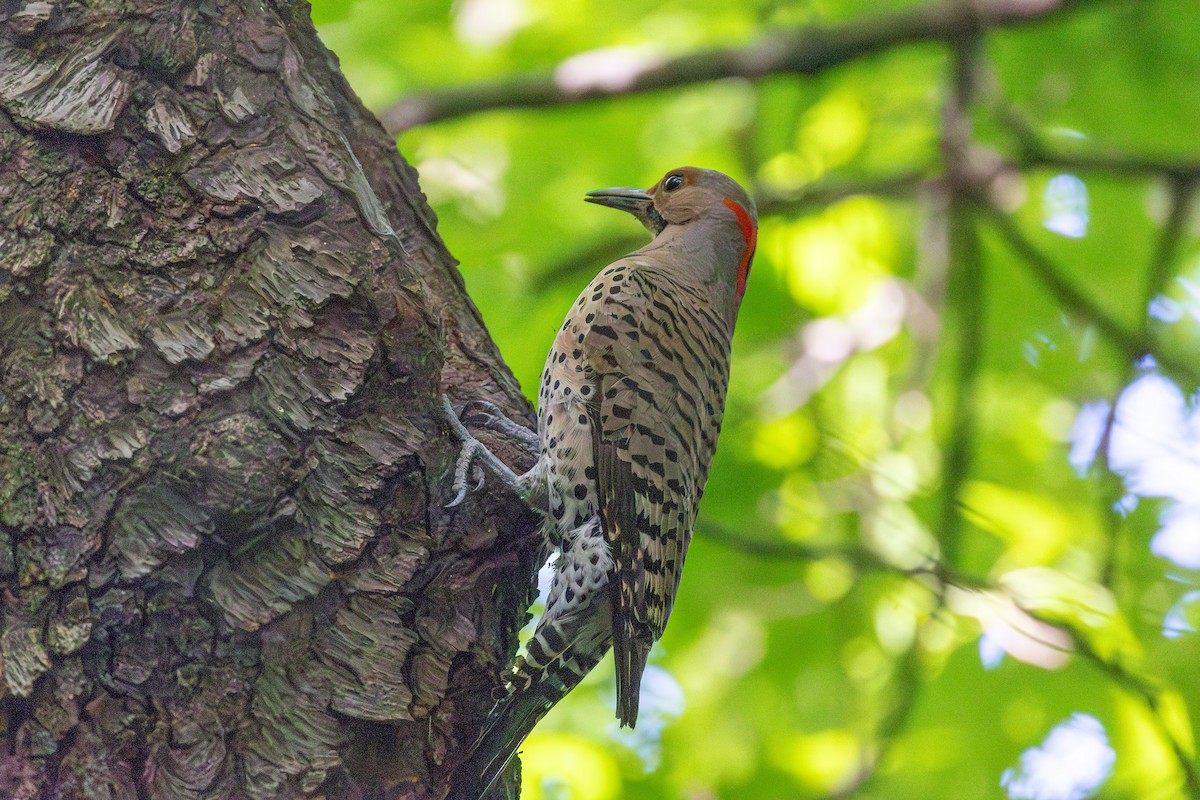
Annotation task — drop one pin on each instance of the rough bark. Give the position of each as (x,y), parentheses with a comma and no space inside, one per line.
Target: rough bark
(225,322)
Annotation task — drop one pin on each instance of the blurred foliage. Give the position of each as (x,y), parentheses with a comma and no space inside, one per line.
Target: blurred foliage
(930,563)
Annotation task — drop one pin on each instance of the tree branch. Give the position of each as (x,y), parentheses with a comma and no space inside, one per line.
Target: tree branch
(805,51)
(1134,343)
(1184,169)
(967,292)
(584,259)
(1159,271)
(1034,152)
(1143,688)
(826,192)
(859,557)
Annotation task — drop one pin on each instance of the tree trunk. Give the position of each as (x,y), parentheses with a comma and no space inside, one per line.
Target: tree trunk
(226,321)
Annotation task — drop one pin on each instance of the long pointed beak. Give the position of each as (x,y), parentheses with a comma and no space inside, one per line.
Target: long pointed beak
(636,201)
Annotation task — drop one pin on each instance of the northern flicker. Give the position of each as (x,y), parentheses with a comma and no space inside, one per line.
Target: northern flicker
(629,409)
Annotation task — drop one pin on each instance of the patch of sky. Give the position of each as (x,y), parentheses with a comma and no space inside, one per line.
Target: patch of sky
(1065,206)
(1071,764)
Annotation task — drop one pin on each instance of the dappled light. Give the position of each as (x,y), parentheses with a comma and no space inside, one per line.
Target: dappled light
(950,544)
(559,766)
(612,69)
(488,23)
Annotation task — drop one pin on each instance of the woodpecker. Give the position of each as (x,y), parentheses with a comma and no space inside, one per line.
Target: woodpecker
(629,410)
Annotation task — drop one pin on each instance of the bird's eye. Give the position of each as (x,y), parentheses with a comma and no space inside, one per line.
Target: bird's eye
(673,182)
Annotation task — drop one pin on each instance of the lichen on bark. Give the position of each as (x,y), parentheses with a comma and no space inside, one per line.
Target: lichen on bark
(226,320)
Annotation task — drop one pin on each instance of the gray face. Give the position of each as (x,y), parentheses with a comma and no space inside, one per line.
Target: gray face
(681,195)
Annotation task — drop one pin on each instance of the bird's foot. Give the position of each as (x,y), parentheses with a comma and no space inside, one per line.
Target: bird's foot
(474,454)
(466,471)
(487,414)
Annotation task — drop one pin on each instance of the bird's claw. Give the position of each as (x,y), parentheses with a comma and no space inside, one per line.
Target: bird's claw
(478,412)
(466,465)
(474,451)
(486,414)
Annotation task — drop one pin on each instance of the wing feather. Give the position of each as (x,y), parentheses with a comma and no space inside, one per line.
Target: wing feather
(654,425)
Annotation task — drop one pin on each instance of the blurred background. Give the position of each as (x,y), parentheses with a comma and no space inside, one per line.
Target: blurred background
(951,541)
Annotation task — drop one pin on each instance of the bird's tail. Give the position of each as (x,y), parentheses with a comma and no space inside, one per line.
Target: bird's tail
(630,652)
(506,727)
(562,650)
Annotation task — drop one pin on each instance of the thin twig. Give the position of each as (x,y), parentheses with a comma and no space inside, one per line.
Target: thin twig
(857,556)
(1146,690)
(1034,152)
(1159,271)
(588,258)
(1134,343)
(1132,165)
(1111,485)
(805,51)
(826,192)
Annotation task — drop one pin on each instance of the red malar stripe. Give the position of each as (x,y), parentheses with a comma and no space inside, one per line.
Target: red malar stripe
(750,234)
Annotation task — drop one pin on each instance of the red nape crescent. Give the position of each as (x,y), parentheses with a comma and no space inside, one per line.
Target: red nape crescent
(750,234)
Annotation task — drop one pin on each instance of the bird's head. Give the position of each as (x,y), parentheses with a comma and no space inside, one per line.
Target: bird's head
(711,201)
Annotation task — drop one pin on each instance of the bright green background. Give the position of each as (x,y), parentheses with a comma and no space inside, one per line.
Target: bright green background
(838,670)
